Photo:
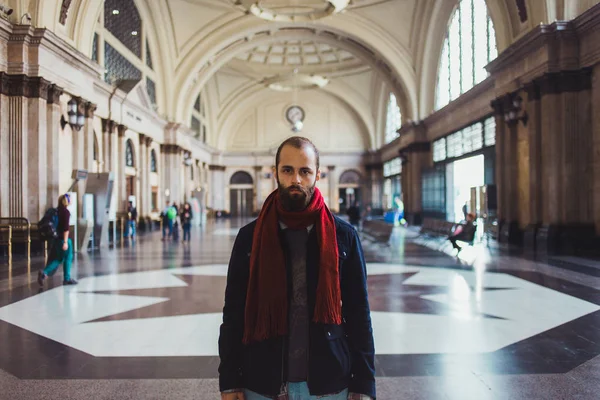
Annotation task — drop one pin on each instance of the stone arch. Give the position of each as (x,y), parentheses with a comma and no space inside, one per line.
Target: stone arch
(350,177)
(241,178)
(434,41)
(252,94)
(354,34)
(129,154)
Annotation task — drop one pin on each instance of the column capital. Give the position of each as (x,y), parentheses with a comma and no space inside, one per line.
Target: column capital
(142,139)
(108,126)
(121,129)
(148,141)
(258,168)
(54,93)
(90,109)
(213,167)
(331,168)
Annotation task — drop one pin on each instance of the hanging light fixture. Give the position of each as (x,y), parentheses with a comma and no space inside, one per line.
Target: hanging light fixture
(293,10)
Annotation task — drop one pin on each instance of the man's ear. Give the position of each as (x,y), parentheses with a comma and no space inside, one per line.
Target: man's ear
(274,169)
(318,175)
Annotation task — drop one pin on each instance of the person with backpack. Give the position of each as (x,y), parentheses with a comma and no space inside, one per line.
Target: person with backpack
(62,246)
(168,217)
(131,220)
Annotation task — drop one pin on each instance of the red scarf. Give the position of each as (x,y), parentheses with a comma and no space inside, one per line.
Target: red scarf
(267,299)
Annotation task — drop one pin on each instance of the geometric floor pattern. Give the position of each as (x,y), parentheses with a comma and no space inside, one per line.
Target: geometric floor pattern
(150,310)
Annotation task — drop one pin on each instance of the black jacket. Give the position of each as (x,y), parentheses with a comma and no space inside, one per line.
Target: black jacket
(340,356)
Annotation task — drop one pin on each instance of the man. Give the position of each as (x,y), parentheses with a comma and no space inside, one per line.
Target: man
(168,217)
(131,220)
(354,214)
(296,321)
(464,232)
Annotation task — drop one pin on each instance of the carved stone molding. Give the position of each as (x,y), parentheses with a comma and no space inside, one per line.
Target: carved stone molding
(54,93)
(148,141)
(108,126)
(565,81)
(216,168)
(22,85)
(121,129)
(90,109)
(64,11)
(170,148)
(374,166)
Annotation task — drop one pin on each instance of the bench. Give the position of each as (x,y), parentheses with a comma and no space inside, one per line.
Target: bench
(380,231)
(6,239)
(442,229)
(20,231)
(437,227)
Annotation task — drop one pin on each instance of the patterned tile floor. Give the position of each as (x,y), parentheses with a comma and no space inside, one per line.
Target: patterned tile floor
(143,322)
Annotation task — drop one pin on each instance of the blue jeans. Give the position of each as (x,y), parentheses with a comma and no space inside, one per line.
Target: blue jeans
(167,224)
(298,391)
(186,231)
(60,256)
(130,229)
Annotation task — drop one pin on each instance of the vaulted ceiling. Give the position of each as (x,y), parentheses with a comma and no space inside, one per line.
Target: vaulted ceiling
(363,48)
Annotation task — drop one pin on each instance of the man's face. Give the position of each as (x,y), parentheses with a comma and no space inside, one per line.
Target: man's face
(297,175)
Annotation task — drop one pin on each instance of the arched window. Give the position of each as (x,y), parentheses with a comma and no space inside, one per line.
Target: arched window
(393,120)
(198,121)
(241,178)
(129,154)
(469,46)
(153,161)
(118,44)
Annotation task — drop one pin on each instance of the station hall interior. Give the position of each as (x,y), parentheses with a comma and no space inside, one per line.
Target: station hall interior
(424,112)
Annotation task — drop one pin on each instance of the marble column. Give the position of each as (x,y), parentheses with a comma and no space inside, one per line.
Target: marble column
(121,162)
(53,121)
(375,182)
(534,111)
(218,186)
(596,147)
(109,146)
(147,188)
(142,169)
(89,136)
(36,150)
(258,188)
(333,184)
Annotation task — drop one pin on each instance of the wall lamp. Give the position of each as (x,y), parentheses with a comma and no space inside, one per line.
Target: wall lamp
(76,117)
(6,11)
(515,113)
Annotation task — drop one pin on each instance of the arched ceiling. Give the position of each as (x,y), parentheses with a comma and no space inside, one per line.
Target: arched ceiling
(397,40)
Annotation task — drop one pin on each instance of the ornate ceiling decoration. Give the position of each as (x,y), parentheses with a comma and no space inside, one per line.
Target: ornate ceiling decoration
(295,81)
(296,53)
(293,10)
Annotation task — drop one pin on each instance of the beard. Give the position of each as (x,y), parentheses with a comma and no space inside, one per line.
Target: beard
(295,201)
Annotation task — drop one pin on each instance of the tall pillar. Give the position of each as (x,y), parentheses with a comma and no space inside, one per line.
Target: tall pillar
(333,184)
(218,185)
(142,169)
(14,147)
(535,164)
(147,188)
(417,157)
(89,138)
(53,121)
(121,183)
(596,147)
(258,188)
(36,150)
(375,182)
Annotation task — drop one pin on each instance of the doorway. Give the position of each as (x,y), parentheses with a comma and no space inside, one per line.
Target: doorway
(348,196)
(461,176)
(241,202)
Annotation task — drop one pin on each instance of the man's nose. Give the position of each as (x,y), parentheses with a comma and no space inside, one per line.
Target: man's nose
(296,179)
